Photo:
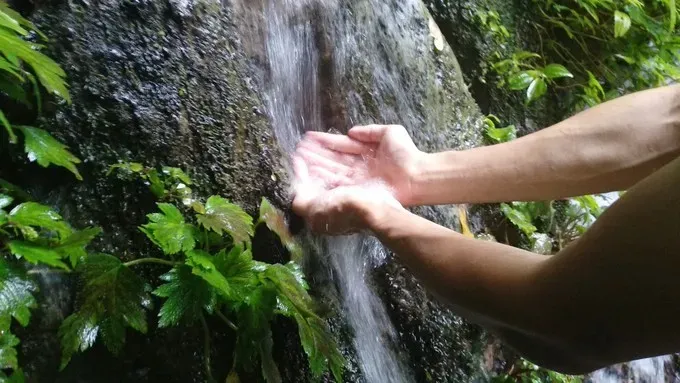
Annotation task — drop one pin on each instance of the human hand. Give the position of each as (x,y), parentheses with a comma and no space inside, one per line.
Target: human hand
(336,210)
(372,154)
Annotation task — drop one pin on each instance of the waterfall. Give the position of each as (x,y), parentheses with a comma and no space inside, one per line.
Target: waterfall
(294,102)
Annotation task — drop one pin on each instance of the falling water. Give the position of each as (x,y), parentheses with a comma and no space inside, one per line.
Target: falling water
(294,105)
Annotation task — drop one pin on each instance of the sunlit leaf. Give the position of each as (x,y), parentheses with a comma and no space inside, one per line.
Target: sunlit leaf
(621,23)
(41,147)
(500,135)
(537,89)
(224,216)
(178,174)
(520,80)
(520,219)
(37,215)
(275,221)
(556,71)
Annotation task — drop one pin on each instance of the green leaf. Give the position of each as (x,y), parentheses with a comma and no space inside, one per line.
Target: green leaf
(74,245)
(621,24)
(270,370)
(36,254)
(113,298)
(237,266)
(500,135)
(130,167)
(187,296)
(254,328)
(523,55)
(78,332)
(169,231)
(45,149)
(177,174)
(8,352)
(201,264)
(8,128)
(275,221)
(37,215)
(221,215)
(17,376)
(520,219)
(5,200)
(520,80)
(16,295)
(537,89)
(556,71)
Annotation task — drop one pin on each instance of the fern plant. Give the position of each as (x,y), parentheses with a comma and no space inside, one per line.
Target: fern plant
(22,66)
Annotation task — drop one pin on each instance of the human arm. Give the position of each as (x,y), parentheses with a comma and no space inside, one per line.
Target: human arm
(609,297)
(606,148)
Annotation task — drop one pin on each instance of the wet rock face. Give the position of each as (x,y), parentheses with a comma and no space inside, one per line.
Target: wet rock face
(182,83)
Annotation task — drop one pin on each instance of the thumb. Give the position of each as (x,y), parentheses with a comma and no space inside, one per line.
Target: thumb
(368,133)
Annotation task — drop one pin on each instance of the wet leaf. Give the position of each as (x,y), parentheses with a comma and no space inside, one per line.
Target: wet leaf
(556,71)
(45,149)
(38,215)
(222,216)
(113,298)
(5,200)
(74,245)
(500,135)
(8,128)
(520,80)
(202,265)
(537,89)
(187,296)
(37,254)
(275,221)
(16,295)
(169,231)
(237,267)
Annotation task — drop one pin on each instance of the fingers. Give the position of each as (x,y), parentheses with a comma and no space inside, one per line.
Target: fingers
(349,160)
(314,159)
(338,142)
(369,133)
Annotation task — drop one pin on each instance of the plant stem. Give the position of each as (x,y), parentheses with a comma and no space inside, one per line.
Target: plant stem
(206,349)
(150,260)
(226,320)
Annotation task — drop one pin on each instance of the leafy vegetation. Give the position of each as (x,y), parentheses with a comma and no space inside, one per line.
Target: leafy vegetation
(210,272)
(527,372)
(591,50)
(23,69)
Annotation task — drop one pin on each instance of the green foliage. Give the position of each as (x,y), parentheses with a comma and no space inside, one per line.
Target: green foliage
(274,219)
(169,231)
(221,215)
(491,22)
(113,297)
(527,372)
(496,135)
(187,296)
(20,63)
(521,72)
(45,150)
(168,184)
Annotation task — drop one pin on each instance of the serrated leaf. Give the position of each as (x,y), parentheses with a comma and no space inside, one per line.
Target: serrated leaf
(556,71)
(16,295)
(254,327)
(169,231)
(77,332)
(38,215)
(520,80)
(187,296)
(8,352)
(113,298)
(519,219)
(275,221)
(36,254)
(41,147)
(74,245)
(8,128)
(292,295)
(537,89)
(222,215)
(237,267)
(202,265)
(270,370)
(320,347)
(621,23)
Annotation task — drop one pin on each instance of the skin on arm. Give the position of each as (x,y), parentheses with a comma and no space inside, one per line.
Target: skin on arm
(609,147)
(609,297)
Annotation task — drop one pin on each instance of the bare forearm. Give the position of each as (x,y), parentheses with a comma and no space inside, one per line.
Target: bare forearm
(488,281)
(606,148)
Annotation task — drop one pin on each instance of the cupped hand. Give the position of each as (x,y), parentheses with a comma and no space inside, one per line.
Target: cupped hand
(338,209)
(373,154)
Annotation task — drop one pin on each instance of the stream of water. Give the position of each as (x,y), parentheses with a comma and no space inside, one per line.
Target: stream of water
(294,104)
